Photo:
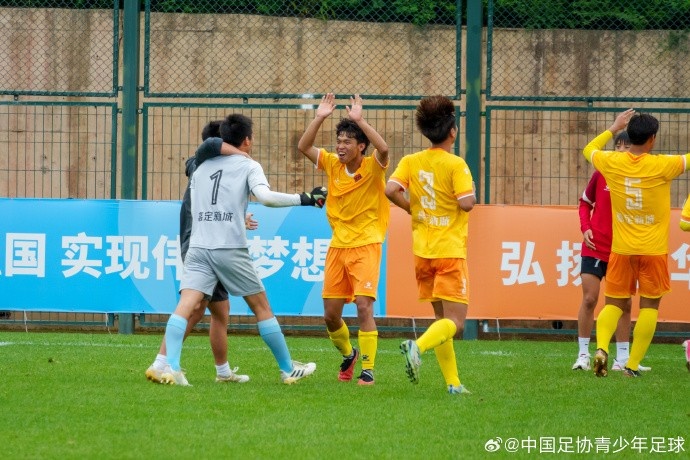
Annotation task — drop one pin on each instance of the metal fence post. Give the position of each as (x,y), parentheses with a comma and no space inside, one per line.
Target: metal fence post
(130,121)
(473,132)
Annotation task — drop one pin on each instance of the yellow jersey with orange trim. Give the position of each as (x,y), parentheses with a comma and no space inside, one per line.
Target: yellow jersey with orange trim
(685,216)
(436,180)
(357,208)
(640,187)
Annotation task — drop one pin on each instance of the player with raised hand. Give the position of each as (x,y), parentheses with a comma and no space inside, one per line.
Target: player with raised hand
(358,213)
(218,250)
(441,195)
(640,186)
(596,227)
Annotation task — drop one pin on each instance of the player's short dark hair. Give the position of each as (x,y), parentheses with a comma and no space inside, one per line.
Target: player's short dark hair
(435,117)
(349,128)
(623,137)
(212,129)
(235,128)
(641,127)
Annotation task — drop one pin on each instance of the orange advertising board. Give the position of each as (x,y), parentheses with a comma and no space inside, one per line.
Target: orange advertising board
(524,263)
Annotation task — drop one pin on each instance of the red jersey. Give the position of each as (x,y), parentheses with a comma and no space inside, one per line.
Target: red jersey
(595,214)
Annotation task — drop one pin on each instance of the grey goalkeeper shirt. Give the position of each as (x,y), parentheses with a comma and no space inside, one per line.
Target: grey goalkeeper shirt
(220,189)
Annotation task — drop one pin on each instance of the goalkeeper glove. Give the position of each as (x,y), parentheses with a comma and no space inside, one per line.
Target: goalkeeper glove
(316,197)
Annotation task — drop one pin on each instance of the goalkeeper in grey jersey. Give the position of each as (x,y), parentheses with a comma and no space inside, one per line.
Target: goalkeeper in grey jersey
(218,249)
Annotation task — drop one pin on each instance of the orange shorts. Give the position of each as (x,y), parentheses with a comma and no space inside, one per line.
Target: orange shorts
(350,272)
(625,273)
(442,279)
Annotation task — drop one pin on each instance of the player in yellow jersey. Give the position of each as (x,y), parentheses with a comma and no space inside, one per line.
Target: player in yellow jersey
(640,187)
(441,195)
(358,213)
(685,216)
(685,226)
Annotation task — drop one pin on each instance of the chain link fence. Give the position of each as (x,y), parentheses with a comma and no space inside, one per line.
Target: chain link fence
(584,50)
(275,49)
(556,73)
(59,47)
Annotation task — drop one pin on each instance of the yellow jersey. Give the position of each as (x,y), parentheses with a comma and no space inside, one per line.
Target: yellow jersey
(685,216)
(640,187)
(357,208)
(435,180)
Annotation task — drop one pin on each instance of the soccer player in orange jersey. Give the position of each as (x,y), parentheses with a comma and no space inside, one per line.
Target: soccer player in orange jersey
(357,212)
(441,195)
(640,187)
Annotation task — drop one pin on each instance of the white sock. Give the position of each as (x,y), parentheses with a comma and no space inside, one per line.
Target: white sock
(584,345)
(160,362)
(622,352)
(223,370)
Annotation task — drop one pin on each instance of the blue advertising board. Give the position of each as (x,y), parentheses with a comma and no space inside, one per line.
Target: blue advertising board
(120,256)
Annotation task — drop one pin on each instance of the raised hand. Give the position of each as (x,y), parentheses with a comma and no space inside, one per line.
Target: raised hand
(354,110)
(327,106)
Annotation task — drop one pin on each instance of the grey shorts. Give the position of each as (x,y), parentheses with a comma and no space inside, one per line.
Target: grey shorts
(233,268)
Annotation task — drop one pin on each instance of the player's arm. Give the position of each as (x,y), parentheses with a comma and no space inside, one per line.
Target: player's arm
(306,142)
(355,113)
(213,147)
(396,194)
(685,216)
(268,197)
(467,202)
(599,142)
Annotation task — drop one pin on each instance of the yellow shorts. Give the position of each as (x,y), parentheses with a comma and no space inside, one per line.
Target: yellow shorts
(442,279)
(351,272)
(625,273)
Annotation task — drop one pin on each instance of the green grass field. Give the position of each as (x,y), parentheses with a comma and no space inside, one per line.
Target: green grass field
(76,395)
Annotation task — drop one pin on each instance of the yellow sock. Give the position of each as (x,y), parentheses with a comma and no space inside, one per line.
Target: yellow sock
(439,331)
(341,340)
(607,322)
(368,343)
(642,336)
(445,354)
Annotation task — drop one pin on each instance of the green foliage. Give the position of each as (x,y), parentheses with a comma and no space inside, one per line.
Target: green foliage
(527,14)
(76,395)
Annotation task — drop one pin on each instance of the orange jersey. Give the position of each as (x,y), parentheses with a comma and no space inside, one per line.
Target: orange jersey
(640,188)
(357,208)
(436,179)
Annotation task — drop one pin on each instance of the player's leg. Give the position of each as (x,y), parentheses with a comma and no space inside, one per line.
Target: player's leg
(155,371)
(623,340)
(367,337)
(620,285)
(591,272)
(445,352)
(218,336)
(655,282)
(337,290)
(198,282)
(364,270)
(272,335)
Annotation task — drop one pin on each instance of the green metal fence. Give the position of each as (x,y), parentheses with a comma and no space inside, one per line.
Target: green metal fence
(43,50)
(534,154)
(579,50)
(172,131)
(58,149)
(544,76)
(270,49)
